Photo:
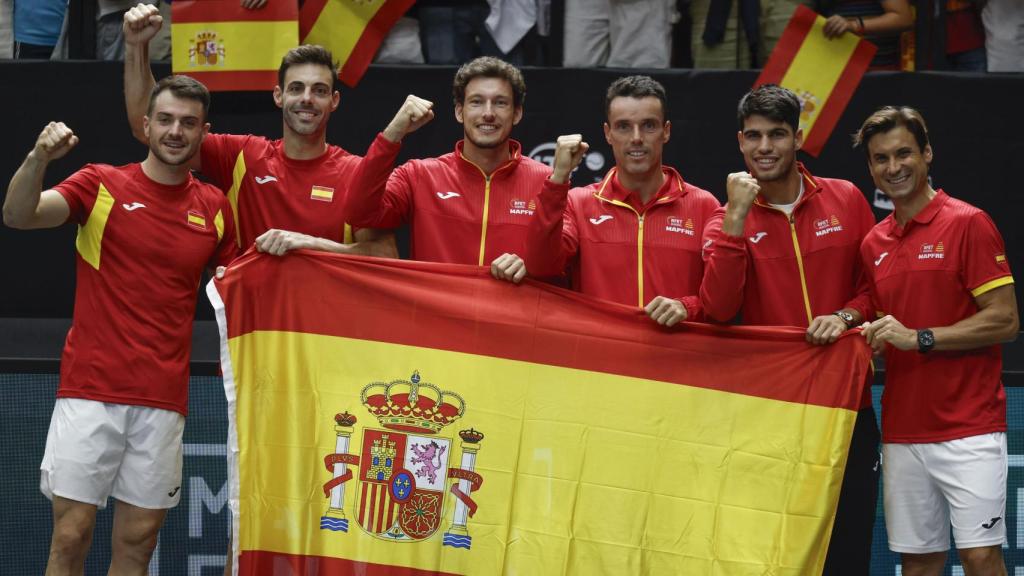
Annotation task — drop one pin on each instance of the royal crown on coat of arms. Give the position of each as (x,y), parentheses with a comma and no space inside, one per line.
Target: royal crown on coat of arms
(412,406)
(404,474)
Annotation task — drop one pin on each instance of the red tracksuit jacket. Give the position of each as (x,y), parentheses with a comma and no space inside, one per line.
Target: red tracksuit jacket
(786,270)
(619,250)
(457,214)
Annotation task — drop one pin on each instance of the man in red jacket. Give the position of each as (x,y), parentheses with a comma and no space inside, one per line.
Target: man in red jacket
(785,251)
(472,205)
(634,237)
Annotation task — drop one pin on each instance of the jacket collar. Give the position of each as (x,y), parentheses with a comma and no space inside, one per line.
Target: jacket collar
(611,191)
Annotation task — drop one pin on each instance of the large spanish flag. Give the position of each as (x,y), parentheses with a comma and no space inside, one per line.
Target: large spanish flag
(351,29)
(823,73)
(228,47)
(394,417)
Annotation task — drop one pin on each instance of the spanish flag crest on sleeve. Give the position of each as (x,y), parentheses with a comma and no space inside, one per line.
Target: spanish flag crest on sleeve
(395,417)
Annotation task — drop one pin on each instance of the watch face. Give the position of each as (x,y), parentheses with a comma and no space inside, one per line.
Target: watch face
(846,317)
(925,340)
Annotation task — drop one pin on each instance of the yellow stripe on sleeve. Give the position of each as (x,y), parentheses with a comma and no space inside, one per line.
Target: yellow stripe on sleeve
(236,186)
(218,223)
(991,285)
(89,242)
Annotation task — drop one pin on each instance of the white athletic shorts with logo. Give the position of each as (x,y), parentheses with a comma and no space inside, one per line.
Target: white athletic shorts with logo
(929,487)
(95,450)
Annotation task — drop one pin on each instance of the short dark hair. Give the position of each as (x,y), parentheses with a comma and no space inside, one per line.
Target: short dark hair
(636,87)
(181,87)
(887,118)
(307,54)
(771,101)
(488,67)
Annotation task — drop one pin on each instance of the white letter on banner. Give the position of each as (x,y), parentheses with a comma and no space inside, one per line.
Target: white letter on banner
(199,494)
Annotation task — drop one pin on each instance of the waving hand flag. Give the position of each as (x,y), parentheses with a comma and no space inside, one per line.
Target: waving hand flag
(351,29)
(822,72)
(227,47)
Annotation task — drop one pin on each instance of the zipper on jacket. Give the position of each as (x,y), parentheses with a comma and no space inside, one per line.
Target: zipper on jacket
(640,259)
(487,205)
(800,267)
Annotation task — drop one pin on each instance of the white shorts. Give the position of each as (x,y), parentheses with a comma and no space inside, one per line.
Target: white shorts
(95,450)
(929,487)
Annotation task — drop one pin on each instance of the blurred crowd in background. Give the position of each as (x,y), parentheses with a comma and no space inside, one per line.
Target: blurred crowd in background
(961,35)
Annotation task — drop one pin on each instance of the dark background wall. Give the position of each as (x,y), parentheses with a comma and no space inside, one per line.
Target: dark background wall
(975,123)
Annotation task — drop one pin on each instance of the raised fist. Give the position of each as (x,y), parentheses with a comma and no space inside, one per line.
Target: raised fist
(414,114)
(54,141)
(569,152)
(141,23)
(742,189)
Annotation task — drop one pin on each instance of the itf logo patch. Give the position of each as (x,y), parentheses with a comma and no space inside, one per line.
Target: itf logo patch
(680,226)
(522,207)
(930,251)
(826,226)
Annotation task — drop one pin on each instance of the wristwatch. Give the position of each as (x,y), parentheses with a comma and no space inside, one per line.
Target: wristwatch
(845,317)
(925,340)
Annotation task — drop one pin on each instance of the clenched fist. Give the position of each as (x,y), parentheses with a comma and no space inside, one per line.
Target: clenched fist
(741,189)
(413,115)
(141,23)
(569,152)
(54,141)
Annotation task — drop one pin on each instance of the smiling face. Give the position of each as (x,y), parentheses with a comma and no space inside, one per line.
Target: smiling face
(488,112)
(175,128)
(898,165)
(307,99)
(637,131)
(769,147)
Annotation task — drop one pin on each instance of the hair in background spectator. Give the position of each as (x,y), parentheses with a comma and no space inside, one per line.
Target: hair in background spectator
(307,54)
(181,87)
(636,87)
(887,118)
(771,101)
(489,67)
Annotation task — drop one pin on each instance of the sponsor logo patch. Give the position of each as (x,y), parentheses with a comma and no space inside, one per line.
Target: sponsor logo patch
(931,251)
(680,226)
(826,226)
(522,207)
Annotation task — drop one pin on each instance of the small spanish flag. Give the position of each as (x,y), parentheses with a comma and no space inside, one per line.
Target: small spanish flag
(228,47)
(351,30)
(322,193)
(823,73)
(196,220)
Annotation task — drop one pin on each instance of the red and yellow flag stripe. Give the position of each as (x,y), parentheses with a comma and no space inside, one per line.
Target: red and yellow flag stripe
(611,445)
(823,73)
(228,47)
(352,30)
